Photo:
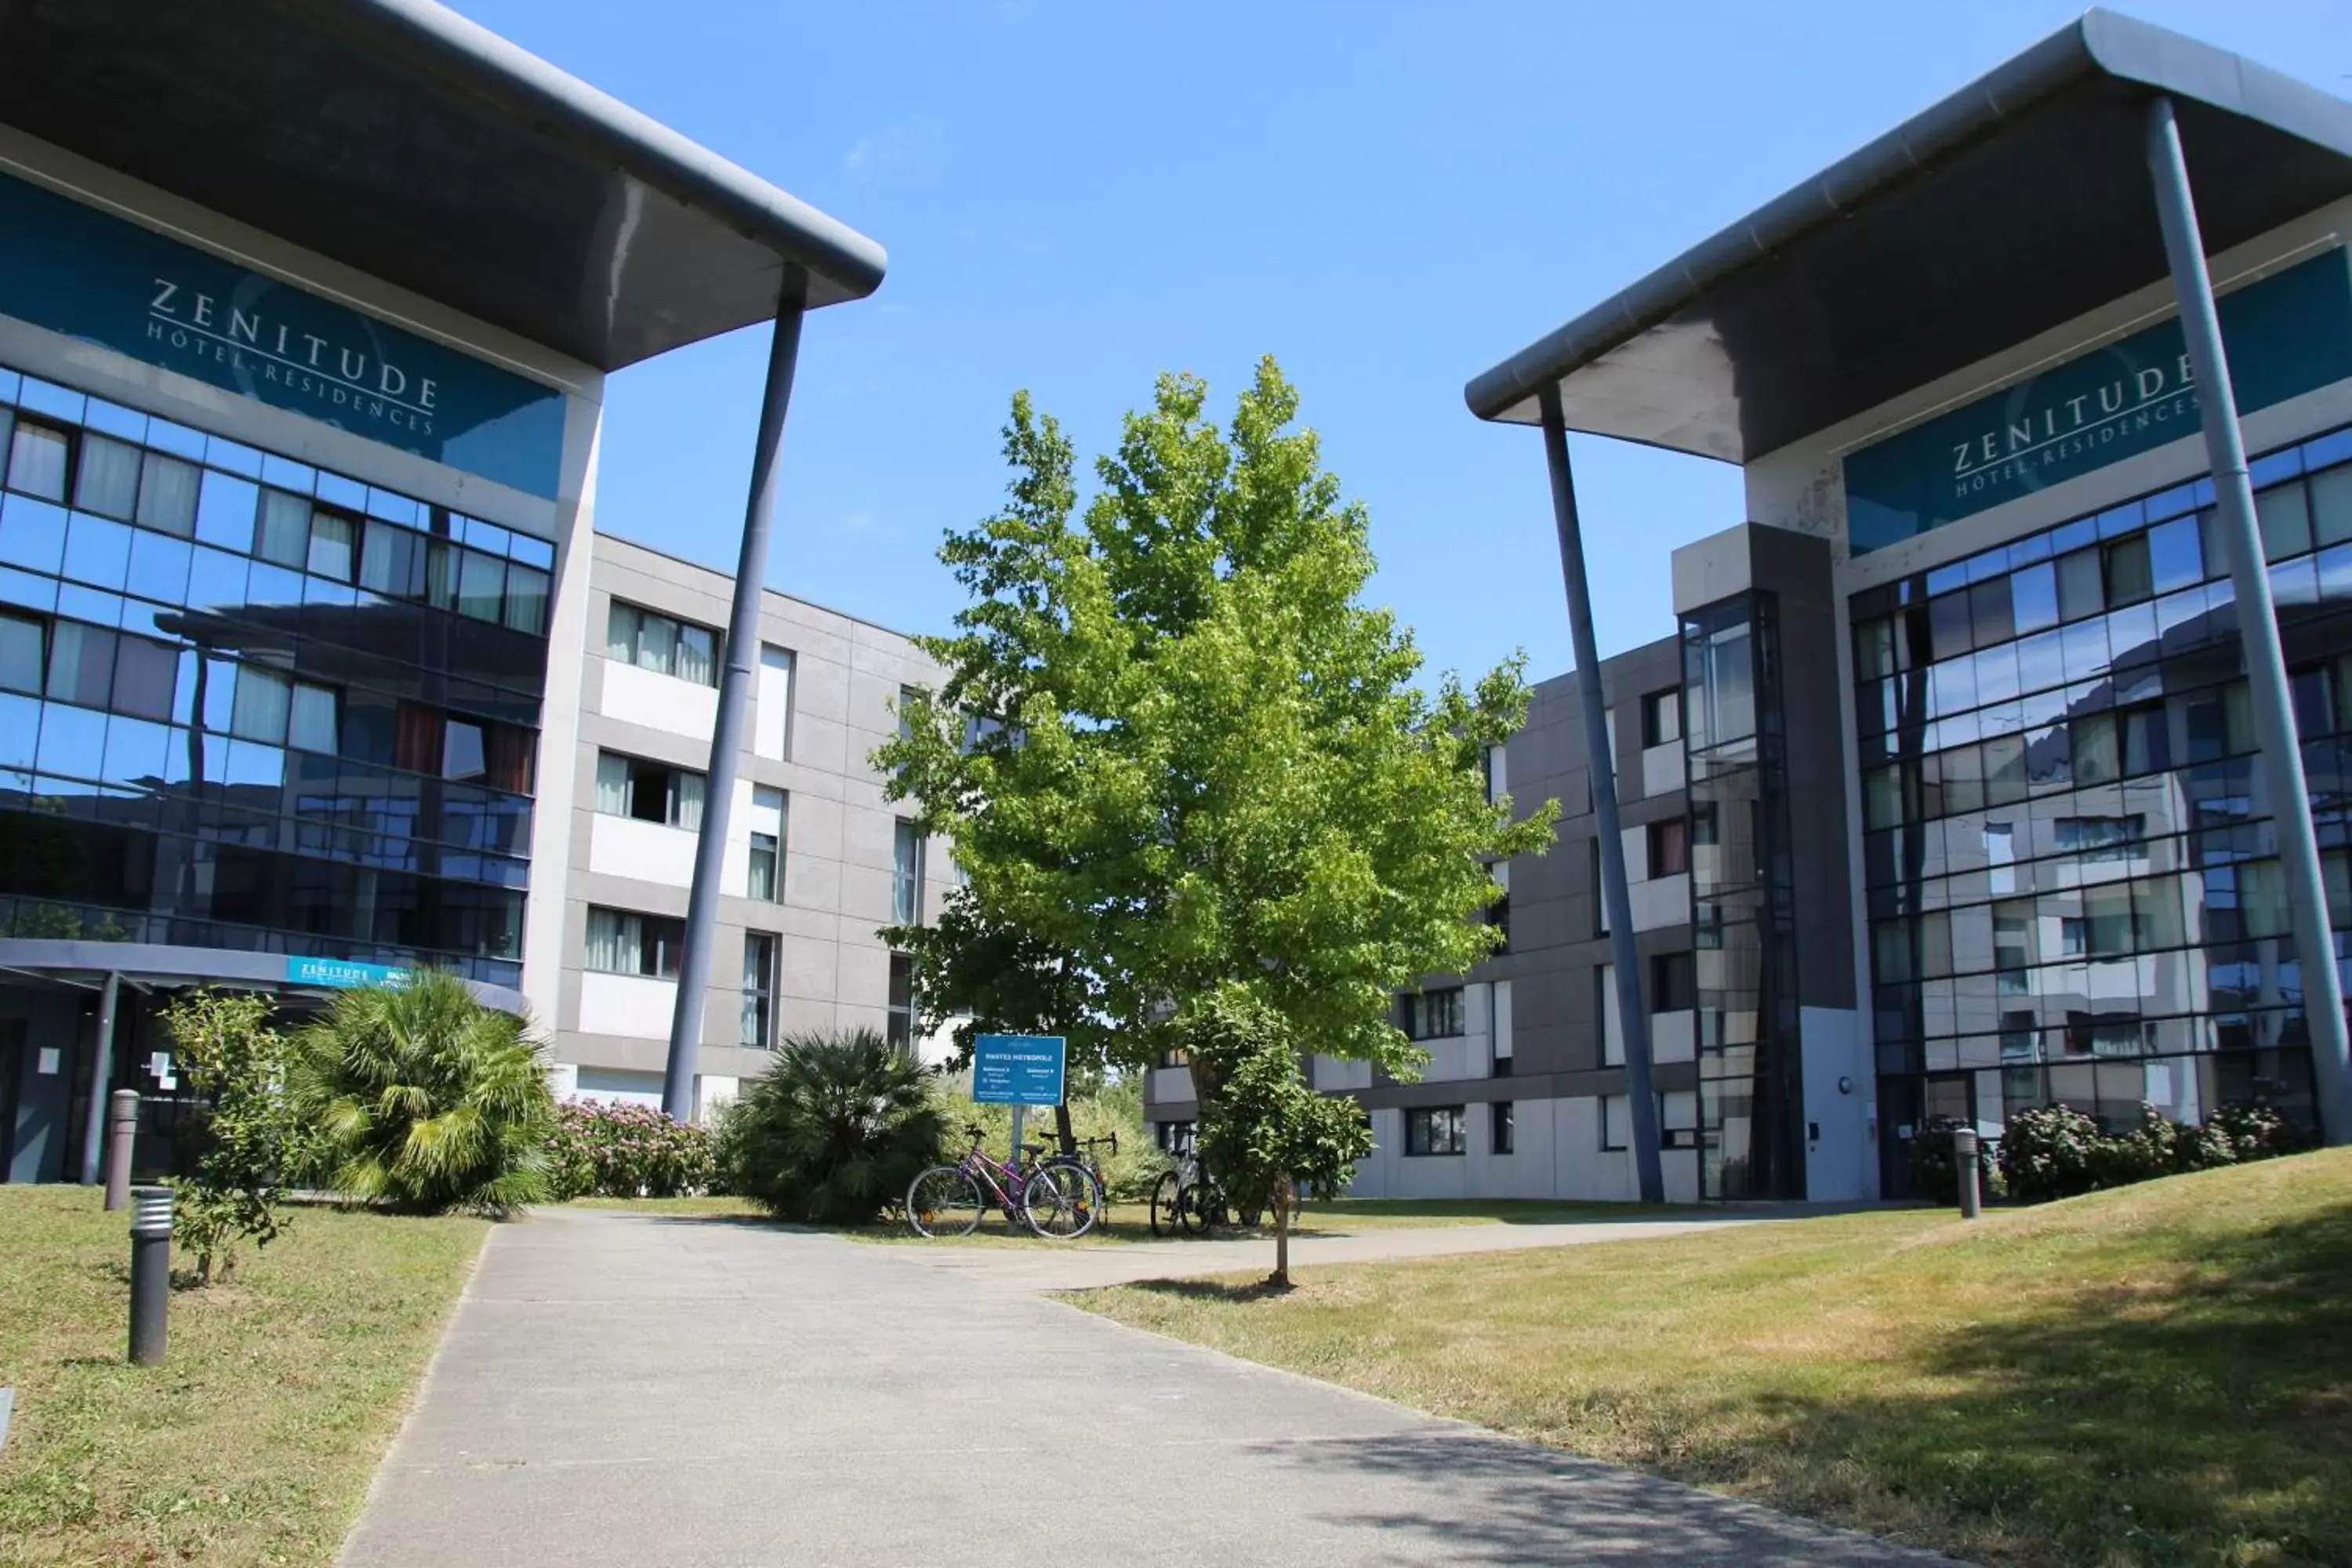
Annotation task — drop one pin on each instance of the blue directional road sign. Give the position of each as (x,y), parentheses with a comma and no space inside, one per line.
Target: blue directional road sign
(1017,1070)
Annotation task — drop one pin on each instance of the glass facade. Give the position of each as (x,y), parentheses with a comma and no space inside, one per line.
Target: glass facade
(247,703)
(1743,964)
(2074,892)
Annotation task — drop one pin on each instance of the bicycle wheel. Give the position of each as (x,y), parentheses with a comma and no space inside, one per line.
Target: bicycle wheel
(1195,1203)
(944,1201)
(1061,1201)
(1163,1205)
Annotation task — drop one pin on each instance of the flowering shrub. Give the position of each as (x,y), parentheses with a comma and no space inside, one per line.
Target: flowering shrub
(628,1152)
(2057,1151)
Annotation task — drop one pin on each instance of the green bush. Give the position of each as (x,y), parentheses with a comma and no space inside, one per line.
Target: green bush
(835,1131)
(423,1100)
(2057,1151)
(628,1152)
(235,1062)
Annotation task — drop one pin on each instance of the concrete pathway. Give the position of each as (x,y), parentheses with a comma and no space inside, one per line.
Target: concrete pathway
(1045,1266)
(626,1389)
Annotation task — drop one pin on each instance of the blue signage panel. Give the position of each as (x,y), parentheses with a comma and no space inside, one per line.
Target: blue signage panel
(1017,1070)
(105,280)
(342,975)
(2286,335)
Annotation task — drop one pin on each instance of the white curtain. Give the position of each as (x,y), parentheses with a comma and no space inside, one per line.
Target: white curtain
(689,788)
(263,697)
(167,496)
(614,942)
(107,482)
(613,794)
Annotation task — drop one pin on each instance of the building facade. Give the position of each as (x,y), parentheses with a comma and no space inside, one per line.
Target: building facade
(817,862)
(299,601)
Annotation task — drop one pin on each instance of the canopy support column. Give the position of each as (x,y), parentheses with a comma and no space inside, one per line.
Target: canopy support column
(2233,493)
(1632,1017)
(101,1078)
(742,654)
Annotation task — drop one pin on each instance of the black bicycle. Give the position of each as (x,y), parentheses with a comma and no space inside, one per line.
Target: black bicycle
(1189,1200)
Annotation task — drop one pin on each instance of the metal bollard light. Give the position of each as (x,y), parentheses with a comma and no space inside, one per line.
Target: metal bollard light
(1964,1158)
(151,1272)
(121,1128)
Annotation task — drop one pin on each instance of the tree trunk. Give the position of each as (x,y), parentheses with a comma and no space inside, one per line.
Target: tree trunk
(1281,1278)
(1069,1140)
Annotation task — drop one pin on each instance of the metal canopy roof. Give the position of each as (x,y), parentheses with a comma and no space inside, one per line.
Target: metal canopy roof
(2013,206)
(401,139)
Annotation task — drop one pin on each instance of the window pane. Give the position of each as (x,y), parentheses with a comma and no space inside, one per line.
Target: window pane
(621,632)
(2285,522)
(697,656)
(21,645)
(167,495)
(145,674)
(36,462)
(761,880)
(482,587)
(687,789)
(314,718)
(224,511)
(462,755)
(285,533)
(263,698)
(392,561)
(107,482)
(656,646)
(613,780)
(2033,597)
(527,600)
(2079,592)
(2331,505)
(331,538)
(2176,556)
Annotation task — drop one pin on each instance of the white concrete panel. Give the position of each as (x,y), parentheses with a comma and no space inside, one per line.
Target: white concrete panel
(1660,901)
(642,851)
(1503,1046)
(1839,1166)
(1636,840)
(772,709)
(1331,1073)
(711,1091)
(1674,1037)
(661,703)
(631,1005)
(610,1086)
(1612,1032)
(1662,768)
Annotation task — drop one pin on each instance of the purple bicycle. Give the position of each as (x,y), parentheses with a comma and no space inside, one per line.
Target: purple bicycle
(1057,1199)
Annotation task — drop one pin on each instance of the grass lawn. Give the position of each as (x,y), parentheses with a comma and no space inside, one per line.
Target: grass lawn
(2158,1374)
(254,1443)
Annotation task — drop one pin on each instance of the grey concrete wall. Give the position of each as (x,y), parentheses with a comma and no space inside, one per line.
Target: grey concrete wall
(833,970)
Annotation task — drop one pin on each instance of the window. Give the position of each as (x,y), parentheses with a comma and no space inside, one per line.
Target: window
(1669,847)
(2103,837)
(907,874)
(1662,717)
(899,1028)
(481,586)
(765,875)
(316,719)
(1433,1129)
(23,642)
(1432,1014)
(1175,1057)
(463,753)
(107,481)
(1493,767)
(1174,1137)
(37,460)
(771,715)
(1501,1117)
(392,561)
(621,942)
(1498,915)
(1677,1120)
(333,545)
(906,712)
(662,645)
(526,597)
(650,792)
(1674,982)
(283,535)
(758,989)
(263,698)
(1599,895)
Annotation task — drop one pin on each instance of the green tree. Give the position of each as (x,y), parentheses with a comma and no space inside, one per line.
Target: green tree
(1272,1134)
(424,1100)
(1175,752)
(232,1057)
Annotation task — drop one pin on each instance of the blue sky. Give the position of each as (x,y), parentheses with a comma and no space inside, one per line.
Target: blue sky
(1389,197)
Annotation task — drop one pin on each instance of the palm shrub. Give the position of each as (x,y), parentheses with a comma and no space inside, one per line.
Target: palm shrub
(425,1100)
(835,1131)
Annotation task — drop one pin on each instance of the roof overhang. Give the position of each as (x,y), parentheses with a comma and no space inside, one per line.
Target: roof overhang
(2012,207)
(400,139)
